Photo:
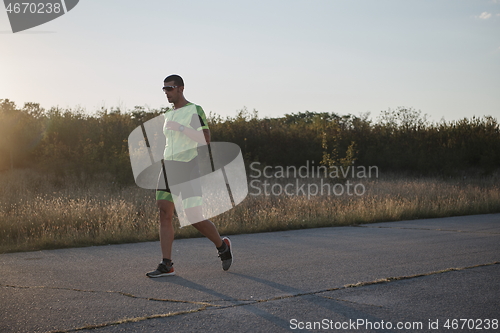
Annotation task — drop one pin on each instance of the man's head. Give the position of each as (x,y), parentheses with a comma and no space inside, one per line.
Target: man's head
(173,86)
(178,81)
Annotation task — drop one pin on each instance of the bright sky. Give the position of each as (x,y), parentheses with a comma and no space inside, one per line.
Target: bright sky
(276,56)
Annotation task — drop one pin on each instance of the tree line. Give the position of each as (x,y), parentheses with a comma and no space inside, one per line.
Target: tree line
(71,141)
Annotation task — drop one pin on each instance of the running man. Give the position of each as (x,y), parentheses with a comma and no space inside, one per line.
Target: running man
(185,129)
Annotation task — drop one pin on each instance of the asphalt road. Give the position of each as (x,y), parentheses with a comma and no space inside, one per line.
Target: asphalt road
(410,276)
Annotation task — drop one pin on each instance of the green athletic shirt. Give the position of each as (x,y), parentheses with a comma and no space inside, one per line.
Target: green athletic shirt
(180,147)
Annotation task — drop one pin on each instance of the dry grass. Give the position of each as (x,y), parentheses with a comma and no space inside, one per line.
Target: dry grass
(42,212)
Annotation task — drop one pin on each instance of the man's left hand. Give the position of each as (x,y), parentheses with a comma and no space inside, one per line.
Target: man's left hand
(173,125)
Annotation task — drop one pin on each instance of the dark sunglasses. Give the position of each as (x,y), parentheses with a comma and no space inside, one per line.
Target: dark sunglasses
(169,88)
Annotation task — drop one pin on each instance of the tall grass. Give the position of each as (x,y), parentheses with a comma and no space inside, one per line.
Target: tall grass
(40,211)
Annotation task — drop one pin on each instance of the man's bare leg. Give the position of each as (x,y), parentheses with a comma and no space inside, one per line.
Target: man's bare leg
(205,227)
(208,229)
(165,268)
(166,227)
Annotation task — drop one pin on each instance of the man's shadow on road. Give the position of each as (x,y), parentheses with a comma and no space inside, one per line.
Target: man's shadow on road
(339,310)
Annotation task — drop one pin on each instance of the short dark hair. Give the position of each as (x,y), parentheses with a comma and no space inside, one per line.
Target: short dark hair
(176,78)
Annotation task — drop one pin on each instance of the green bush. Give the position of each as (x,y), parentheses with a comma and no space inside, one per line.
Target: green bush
(65,141)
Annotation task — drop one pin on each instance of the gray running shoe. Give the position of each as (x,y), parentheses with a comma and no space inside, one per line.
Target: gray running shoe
(226,256)
(162,270)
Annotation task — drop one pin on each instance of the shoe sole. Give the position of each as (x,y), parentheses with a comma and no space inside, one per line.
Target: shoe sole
(160,275)
(230,251)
